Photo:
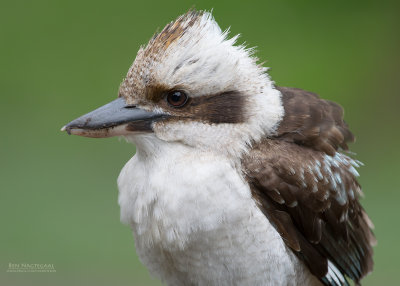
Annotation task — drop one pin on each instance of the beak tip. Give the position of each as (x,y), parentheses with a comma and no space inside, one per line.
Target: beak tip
(65,128)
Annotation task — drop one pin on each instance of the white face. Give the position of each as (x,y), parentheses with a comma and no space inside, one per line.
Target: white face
(231,99)
(190,85)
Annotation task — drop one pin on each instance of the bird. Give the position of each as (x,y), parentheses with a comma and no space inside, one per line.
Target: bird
(235,180)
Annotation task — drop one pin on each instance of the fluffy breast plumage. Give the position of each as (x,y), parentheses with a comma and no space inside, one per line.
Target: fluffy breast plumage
(195,222)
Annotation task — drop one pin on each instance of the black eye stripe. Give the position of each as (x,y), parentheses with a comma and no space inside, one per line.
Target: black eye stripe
(224,107)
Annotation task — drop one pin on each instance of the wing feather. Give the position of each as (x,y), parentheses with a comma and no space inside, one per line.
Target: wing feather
(313,122)
(309,191)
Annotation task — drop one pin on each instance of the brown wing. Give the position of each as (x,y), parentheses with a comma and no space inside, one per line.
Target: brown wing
(310,192)
(313,122)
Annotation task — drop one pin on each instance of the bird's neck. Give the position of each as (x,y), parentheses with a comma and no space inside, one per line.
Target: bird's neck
(150,148)
(166,191)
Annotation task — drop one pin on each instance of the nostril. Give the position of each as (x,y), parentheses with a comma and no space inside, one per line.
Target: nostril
(130,106)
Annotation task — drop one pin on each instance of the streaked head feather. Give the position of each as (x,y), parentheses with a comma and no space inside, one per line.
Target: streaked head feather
(193,54)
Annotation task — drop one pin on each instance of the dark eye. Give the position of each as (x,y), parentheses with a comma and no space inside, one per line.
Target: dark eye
(177,98)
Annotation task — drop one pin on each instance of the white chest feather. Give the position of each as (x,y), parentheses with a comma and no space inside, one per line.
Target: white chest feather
(195,222)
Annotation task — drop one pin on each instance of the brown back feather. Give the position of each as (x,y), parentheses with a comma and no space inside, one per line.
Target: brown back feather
(309,191)
(312,121)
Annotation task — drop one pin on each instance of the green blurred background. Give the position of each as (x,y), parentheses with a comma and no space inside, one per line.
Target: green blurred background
(60,59)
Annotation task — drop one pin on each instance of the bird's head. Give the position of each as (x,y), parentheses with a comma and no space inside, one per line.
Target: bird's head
(190,85)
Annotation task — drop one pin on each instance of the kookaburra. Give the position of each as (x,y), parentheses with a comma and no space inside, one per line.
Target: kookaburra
(235,181)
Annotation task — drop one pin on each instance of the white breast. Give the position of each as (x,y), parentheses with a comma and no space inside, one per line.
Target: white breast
(195,222)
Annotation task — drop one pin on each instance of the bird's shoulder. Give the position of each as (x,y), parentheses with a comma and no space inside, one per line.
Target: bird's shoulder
(313,122)
(309,191)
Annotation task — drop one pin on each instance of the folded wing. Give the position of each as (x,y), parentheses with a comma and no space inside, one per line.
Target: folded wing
(309,191)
